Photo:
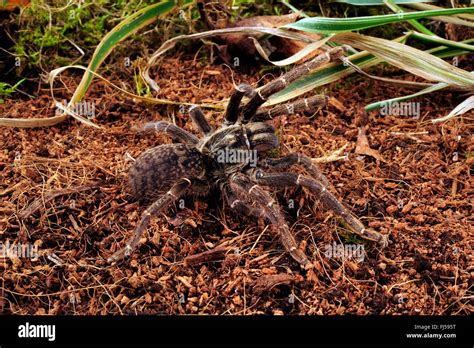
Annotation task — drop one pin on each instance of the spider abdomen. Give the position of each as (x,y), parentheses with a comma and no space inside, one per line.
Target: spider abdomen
(157,169)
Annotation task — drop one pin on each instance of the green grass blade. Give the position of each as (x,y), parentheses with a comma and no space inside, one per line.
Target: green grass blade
(294,9)
(6,90)
(335,71)
(120,32)
(442,41)
(380,104)
(421,6)
(437,87)
(340,25)
(446,52)
(417,25)
(410,59)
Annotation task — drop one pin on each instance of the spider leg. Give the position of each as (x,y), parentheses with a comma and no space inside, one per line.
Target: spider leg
(261,136)
(174,193)
(326,197)
(296,158)
(245,189)
(172,130)
(280,83)
(300,105)
(232,110)
(199,120)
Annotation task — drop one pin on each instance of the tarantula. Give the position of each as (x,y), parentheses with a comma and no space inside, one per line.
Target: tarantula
(233,159)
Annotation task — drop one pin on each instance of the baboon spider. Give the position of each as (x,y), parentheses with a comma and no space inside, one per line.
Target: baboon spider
(197,164)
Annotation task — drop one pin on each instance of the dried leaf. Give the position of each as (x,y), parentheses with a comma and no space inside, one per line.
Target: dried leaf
(363,147)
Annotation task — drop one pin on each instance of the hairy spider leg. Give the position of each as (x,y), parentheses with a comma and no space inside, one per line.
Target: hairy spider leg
(199,120)
(249,110)
(327,198)
(244,188)
(296,159)
(300,105)
(261,136)
(232,111)
(172,130)
(178,190)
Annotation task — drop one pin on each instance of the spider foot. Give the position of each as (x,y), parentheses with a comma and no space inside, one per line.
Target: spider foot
(299,256)
(370,234)
(383,241)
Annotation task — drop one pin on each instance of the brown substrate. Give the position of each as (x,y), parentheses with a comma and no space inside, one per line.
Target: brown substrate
(420,194)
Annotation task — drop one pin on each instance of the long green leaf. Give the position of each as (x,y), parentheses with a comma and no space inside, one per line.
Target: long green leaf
(380,104)
(442,41)
(421,6)
(335,71)
(120,32)
(417,25)
(410,59)
(340,25)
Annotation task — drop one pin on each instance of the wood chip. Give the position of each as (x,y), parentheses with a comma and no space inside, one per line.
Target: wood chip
(268,282)
(206,256)
(38,203)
